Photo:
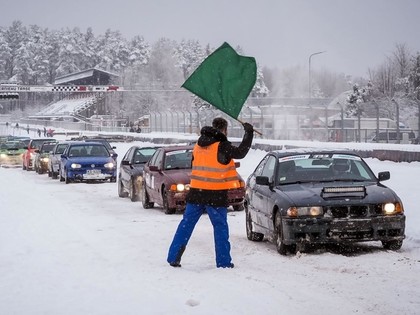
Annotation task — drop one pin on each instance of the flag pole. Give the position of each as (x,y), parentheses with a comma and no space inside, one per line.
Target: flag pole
(242,122)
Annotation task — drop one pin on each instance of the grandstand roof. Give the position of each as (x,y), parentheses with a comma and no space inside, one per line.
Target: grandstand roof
(91,76)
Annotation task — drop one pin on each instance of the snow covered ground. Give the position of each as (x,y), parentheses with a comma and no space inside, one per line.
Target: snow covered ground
(80,249)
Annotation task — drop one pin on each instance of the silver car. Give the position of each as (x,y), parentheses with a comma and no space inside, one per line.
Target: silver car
(55,157)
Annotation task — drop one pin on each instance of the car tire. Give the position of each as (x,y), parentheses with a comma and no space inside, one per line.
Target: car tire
(238,208)
(392,245)
(121,192)
(54,175)
(133,194)
(146,203)
(23,167)
(166,203)
(67,179)
(282,248)
(250,234)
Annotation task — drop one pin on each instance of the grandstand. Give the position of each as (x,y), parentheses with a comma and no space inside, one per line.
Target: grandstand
(78,106)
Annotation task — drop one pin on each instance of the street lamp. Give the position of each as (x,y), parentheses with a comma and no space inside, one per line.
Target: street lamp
(310,86)
(310,89)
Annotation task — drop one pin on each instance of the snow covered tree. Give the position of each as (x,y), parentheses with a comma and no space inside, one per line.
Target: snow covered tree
(189,54)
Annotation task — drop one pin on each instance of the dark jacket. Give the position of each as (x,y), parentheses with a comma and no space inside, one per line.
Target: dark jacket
(226,152)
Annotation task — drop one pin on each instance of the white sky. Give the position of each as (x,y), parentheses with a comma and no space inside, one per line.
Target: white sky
(80,249)
(356,34)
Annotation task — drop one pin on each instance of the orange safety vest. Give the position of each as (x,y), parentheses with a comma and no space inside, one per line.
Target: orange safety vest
(207,173)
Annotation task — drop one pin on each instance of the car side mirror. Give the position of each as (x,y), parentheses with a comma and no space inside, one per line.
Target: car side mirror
(36,150)
(114,155)
(262,180)
(125,162)
(63,156)
(384,176)
(153,168)
(237,164)
(114,147)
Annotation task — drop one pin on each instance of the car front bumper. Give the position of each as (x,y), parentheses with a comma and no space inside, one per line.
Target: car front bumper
(322,230)
(99,175)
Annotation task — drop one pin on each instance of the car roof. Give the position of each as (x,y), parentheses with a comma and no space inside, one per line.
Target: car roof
(291,152)
(177,147)
(84,143)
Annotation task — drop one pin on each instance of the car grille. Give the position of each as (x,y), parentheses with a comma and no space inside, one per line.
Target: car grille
(354,211)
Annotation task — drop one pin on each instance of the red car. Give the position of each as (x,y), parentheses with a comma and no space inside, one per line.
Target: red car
(167,179)
(29,155)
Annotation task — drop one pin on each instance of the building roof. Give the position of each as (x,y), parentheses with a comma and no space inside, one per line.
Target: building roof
(88,76)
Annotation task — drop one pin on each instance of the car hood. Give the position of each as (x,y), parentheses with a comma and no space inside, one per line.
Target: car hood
(181,176)
(313,193)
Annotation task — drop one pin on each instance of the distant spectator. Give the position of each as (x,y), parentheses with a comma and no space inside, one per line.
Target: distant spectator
(17,125)
(45,132)
(27,129)
(39,132)
(7,124)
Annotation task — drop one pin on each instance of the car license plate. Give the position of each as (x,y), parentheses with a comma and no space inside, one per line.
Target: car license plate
(93,172)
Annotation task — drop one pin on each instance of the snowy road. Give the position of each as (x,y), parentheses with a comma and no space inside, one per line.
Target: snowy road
(79,249)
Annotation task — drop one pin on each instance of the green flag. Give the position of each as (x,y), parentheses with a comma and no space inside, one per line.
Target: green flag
(224,79)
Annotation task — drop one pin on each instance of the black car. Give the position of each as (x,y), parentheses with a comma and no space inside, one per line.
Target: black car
(130,176)
(300,197)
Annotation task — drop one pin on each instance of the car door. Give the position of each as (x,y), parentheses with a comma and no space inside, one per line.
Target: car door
(153,177)
(125,167)
(254,194)
(266,193)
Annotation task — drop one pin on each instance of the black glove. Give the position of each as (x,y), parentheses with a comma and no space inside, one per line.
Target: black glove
(248,127)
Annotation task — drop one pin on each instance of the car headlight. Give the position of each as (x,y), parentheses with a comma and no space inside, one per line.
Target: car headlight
(109,165)
(75,165)
(180,187)
(305,211)
(45,159)
(392,208)
(3,155)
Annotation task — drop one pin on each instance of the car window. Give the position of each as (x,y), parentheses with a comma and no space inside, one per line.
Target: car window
(61,148)
(141,156)
(268,169)
(179,159)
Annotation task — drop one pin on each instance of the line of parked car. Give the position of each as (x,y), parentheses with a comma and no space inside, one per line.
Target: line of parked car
(294,198)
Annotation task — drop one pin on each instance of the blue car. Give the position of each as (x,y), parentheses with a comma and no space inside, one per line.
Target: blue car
(87,161)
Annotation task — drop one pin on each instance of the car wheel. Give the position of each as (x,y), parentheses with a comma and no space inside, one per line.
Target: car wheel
(392,245)
(282,248)
(146,203)
(54,175)
(250,234)
(49,173)
(67,179)
(121,192)
(166,203)
(238,208)
(23,167)
(133,194)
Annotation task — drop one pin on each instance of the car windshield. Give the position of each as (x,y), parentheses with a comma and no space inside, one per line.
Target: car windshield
(178,159)
(322,168)
(88,150)
(47,148)
(11,145)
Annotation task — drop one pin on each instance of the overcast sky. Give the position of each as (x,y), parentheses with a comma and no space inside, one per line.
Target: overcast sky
(356,34)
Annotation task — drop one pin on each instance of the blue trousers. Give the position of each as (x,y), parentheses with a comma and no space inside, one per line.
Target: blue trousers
(218,218)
